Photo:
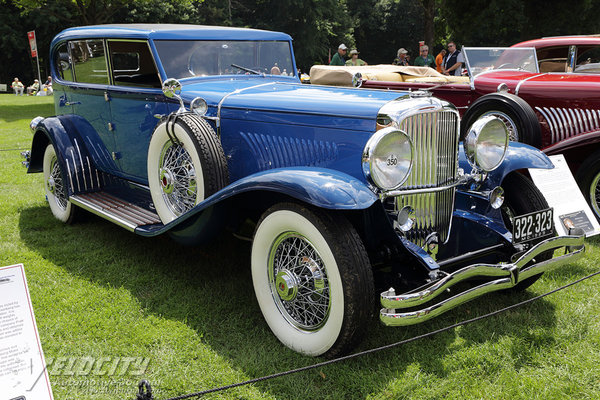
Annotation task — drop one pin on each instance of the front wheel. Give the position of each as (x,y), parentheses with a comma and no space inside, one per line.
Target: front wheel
(312,279)
(522,197)
(588,178)
(56,188)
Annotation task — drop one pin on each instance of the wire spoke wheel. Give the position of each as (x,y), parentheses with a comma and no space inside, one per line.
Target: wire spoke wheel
(178,179)
(299,282)
(56,188)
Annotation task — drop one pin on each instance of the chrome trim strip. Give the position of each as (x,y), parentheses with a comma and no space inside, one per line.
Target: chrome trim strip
(509,274)
(90,168)
(525,80)
(75,169)
(549,120)
(561,129)
(94,209)
(69,173)
(82,166)
(218,118)
(395,193)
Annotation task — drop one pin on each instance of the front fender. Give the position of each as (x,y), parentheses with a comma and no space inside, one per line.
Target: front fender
(518,156)
(320,187)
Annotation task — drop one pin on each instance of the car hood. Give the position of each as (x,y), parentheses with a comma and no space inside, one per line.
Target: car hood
(289,97)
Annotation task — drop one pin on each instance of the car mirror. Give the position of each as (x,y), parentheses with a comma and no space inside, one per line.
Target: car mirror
(171,87)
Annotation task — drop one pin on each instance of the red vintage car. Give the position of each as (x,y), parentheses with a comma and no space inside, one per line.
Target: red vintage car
(547,91)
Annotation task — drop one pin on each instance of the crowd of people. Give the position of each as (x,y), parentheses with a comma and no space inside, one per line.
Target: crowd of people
(34,89)
(448,61)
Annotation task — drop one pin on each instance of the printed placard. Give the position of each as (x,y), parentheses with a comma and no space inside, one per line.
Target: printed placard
(23,373)
(562,193)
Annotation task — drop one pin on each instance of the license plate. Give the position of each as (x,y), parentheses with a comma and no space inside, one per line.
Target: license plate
(533,226)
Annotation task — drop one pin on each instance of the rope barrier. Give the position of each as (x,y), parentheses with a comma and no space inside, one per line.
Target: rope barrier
(145,391)
(13,149)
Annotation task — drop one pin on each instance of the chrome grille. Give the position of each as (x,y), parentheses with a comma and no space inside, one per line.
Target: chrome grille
(435,163)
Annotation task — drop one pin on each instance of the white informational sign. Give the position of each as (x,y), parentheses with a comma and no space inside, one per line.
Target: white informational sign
(23,373)
(562,193)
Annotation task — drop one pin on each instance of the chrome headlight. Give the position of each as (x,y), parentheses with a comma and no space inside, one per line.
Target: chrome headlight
(486,143)
(199,106)
(387,158)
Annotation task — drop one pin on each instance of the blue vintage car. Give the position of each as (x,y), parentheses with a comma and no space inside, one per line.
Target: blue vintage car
(182,130)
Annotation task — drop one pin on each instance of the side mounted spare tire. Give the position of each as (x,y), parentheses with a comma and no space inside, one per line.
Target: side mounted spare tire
(519,117)
(186,164)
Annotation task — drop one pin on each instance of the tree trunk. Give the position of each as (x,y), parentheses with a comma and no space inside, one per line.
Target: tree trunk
(428,15)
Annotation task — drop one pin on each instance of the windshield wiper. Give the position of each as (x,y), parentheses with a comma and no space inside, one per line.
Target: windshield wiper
(246,69)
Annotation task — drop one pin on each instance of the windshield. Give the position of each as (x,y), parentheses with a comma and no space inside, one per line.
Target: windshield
(189,58)
(483,59)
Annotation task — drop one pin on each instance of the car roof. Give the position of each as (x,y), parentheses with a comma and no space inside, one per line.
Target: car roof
(575,40)
(168,32)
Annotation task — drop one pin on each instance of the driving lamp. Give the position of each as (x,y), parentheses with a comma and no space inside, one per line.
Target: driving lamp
(486,143)
(387,158)
(199,106)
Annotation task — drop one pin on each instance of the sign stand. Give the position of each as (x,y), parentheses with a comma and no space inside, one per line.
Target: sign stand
(34,53)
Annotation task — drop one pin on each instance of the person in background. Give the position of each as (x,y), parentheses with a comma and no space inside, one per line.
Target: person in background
(439,59)
(424,59)
(453,61)
(17,86)
(33,89)
(48,85)
(401,57)
(354,61)
(338,58)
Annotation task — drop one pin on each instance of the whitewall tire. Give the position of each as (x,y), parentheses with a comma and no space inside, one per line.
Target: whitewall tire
(186,164)
(56,188)
(312,279)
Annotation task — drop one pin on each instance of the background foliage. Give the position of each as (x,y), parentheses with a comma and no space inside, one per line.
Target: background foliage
(376,27)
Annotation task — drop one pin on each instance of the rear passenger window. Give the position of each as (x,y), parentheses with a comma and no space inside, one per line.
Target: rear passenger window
(132,64)
(63,63)
(89,63)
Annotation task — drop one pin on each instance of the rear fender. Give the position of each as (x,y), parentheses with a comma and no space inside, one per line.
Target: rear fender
(71,137)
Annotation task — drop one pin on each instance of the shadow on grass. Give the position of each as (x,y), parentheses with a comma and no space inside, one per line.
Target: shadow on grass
(209,288)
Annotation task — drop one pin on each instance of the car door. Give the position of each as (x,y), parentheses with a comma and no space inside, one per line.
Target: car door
(88,97)
(136,102)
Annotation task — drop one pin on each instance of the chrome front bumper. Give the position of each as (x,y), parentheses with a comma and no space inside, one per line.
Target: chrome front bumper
(506,276)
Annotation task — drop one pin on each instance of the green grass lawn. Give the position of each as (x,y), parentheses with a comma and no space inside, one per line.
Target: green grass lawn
(101,291)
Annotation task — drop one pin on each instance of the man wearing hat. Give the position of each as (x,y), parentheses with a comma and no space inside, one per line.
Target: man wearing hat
(338,58)
(354,61)
(401,57)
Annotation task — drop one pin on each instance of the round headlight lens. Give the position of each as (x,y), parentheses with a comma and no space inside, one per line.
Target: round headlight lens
(199,106)
(387,158)
(486,143)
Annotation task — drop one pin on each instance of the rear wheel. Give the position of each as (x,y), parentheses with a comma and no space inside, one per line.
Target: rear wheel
(312,279)
(56,188)
(522,197)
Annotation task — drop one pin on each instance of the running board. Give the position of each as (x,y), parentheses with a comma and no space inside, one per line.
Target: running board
(119,211)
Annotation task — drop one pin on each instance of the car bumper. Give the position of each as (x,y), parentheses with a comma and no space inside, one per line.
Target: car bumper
(498,277)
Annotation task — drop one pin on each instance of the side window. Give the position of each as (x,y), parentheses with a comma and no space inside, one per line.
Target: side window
(553,59)
(588,59)
(63,62)
(88,60)
(132,64)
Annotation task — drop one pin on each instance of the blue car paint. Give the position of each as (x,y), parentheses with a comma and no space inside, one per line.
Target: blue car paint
(279,136)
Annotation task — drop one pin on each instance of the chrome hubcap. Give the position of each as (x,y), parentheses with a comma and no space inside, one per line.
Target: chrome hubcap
(177,178)
(299,283)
